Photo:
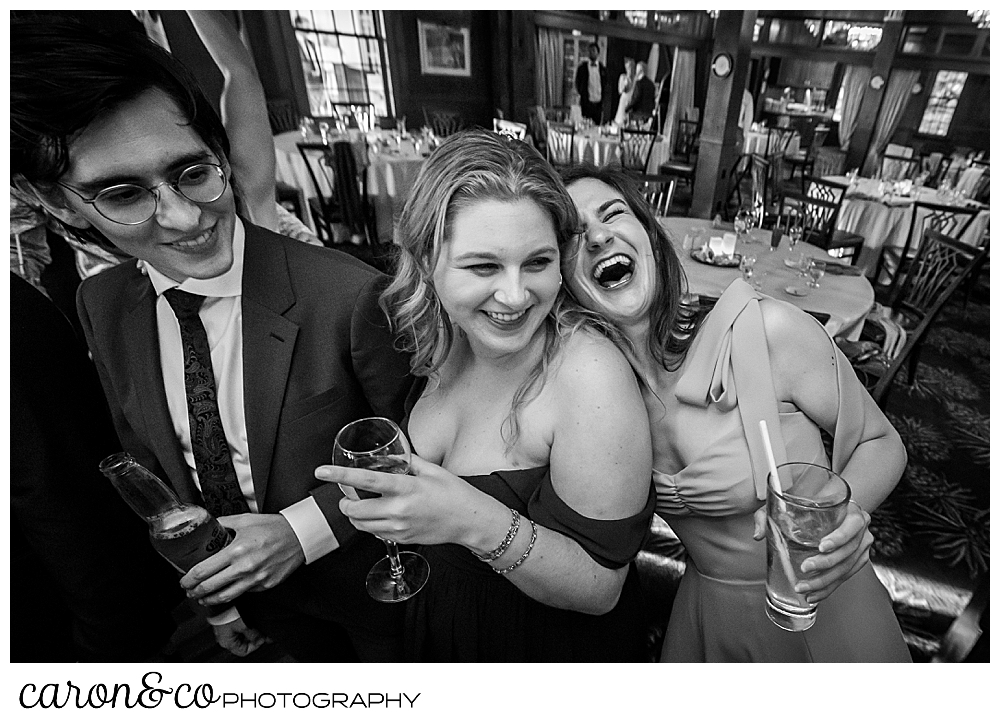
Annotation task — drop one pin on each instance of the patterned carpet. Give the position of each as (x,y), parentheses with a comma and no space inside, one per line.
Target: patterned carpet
(932,533)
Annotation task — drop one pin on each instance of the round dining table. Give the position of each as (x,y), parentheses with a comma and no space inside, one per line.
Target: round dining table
(845,297)
(885,220)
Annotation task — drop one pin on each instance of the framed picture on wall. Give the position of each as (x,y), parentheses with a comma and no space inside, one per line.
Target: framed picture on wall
(444,49)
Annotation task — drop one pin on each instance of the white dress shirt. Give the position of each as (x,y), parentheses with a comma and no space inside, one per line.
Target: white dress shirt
(594,82)
(222,315)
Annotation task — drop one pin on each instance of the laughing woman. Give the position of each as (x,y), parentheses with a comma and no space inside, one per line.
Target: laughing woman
(705,388)
(530,492)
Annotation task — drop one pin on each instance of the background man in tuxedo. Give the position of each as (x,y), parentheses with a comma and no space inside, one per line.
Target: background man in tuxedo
(591,79)
(229,355)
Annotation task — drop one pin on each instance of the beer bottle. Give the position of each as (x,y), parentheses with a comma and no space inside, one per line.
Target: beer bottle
(183,533)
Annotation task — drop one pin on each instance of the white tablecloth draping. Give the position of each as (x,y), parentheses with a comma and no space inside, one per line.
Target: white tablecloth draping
(847,299)
(885,223)
(593,147)
(391,172)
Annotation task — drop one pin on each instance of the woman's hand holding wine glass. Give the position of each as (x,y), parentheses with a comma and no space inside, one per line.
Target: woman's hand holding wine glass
(377,444)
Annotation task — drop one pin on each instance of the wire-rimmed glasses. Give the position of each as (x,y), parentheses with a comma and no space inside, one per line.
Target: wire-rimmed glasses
(130,204)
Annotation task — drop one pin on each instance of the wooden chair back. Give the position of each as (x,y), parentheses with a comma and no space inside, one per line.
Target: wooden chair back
(658,191)
(898,168)
(636,148)
(559,143)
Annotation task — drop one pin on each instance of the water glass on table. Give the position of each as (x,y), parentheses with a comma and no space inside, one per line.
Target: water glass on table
(742,225)
(812,503)
(815,270)
(376,443)
(747,263)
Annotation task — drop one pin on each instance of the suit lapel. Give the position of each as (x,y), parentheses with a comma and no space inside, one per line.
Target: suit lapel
(268,343)
(142,343)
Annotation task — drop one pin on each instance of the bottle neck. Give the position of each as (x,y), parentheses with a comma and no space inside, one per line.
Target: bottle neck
(141,489)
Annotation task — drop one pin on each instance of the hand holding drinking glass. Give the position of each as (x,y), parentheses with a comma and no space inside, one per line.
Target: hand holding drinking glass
(376,443)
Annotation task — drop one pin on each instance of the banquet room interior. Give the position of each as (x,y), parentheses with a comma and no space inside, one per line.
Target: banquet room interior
(860,136)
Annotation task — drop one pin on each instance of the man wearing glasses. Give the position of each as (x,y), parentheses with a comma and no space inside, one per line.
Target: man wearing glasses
(230,356)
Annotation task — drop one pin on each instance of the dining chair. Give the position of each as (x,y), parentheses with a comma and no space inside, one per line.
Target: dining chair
(658,191)
(685,142)
(443,122)
(341,191)
(940,267)
(636,148)
(515,131)
(819,217)
(949,220)
(898,168)
(559,143)
(324,206)
(804,160)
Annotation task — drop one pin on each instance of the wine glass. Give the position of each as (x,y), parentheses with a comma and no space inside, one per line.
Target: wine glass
(747,262)
(377,443)
(816,270)
(742,224)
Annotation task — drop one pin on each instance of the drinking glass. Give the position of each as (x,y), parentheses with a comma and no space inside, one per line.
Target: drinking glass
(742,225)
(816,270)
(747,262)
(377,443)
(812,503)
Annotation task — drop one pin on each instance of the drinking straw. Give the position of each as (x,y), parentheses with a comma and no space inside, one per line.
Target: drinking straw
(779,541)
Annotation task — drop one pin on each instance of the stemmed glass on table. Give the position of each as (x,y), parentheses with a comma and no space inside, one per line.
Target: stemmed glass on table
(378,444)
(815,270)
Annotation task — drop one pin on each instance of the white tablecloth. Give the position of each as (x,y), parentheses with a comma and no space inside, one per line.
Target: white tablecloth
(885,224)
(847,299)
(593,147)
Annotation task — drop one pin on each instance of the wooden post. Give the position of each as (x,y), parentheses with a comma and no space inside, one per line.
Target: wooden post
(718,144)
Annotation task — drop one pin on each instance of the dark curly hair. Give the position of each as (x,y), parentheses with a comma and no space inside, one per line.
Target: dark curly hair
(672,321)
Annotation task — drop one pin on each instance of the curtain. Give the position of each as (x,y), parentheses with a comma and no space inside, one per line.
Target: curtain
(549,77)
(681,91)
(855,81)
(897,93)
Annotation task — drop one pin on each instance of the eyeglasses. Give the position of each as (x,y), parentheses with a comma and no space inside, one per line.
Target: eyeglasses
(130,205)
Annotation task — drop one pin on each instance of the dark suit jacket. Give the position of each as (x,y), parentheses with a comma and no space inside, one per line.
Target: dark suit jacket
(583,81)
(317,353)
(643,97)
(89,586)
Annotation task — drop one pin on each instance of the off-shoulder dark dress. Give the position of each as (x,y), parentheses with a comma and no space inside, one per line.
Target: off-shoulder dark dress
(469,613)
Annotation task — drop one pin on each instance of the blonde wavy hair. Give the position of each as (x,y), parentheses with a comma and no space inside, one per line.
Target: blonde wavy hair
(468,168)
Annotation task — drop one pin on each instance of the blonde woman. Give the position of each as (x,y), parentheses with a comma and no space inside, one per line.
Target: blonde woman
(530,490)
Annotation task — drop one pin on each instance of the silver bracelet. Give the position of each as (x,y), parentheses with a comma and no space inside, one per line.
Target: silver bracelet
(515,523)
(524,556)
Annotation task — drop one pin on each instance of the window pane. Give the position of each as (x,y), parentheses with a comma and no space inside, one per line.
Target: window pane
(942,102)
(840,34)
(341,53)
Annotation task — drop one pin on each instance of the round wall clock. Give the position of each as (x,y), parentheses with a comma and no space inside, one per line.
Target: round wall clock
(722,65)
(877,82)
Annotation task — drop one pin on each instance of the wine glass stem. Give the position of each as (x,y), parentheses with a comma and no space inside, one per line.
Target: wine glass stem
(395,566)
